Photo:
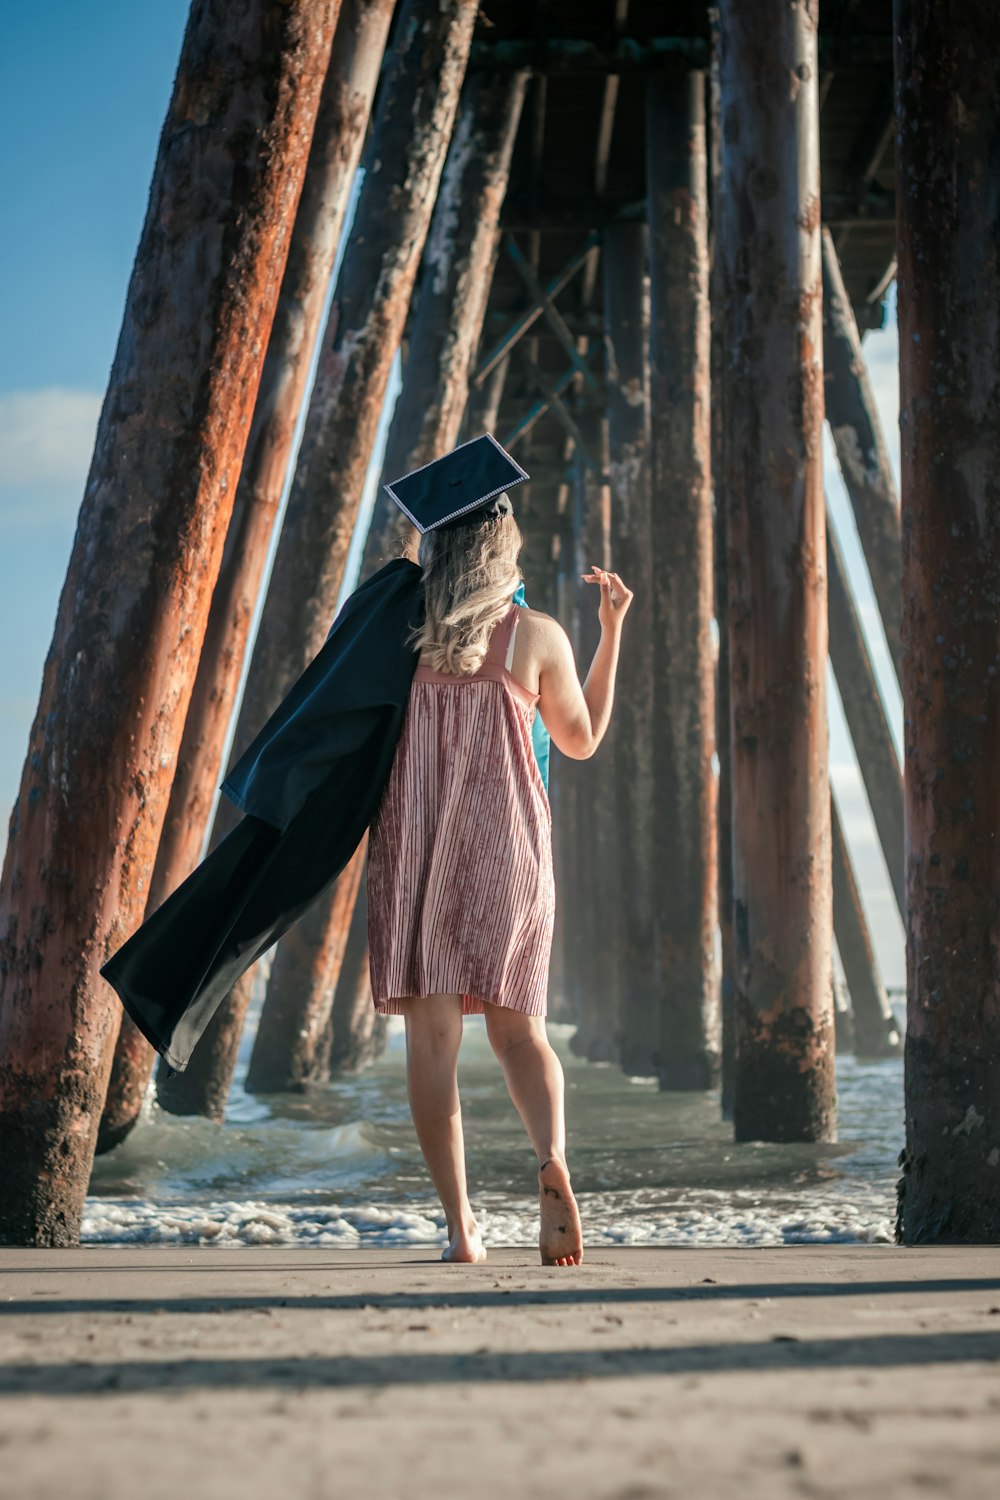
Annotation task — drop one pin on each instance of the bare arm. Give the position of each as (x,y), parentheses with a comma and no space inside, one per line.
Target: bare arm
(577,717)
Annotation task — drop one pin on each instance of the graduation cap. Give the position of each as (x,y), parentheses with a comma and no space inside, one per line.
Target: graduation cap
(465,480)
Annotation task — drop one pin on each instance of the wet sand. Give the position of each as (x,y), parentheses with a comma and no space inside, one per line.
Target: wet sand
(815,1371)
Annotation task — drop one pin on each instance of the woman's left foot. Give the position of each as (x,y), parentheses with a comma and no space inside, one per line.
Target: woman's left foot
(560,1238)
(465,1247)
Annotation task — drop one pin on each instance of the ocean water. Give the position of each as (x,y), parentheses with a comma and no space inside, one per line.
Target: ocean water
(340,1167)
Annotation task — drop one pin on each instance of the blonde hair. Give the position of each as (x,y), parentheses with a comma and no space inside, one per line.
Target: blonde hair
(470,573)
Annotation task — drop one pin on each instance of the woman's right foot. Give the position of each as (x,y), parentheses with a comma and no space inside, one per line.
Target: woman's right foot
(465,1247)
(560,1236)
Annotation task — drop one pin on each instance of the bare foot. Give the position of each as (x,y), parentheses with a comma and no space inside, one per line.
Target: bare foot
(560,1236)
(465,1246)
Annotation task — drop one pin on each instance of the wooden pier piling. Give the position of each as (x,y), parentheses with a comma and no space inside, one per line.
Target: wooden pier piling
(356,1034)
(133,611)
(773,373)
(683,717)
(450,298)
(623,256)
(948,142)
(598,913)
(355,58)
(403,163)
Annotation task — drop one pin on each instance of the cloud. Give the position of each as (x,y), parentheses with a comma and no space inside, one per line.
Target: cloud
(46,442)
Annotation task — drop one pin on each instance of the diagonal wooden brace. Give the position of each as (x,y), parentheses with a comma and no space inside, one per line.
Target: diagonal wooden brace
(520,327)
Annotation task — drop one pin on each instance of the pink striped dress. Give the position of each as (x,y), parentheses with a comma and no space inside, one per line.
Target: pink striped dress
(461,898)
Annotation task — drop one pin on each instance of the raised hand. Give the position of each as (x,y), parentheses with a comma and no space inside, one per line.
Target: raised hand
(615,597)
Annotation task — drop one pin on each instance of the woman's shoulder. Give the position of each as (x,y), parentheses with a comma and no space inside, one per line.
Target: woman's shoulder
(535,621)
(543,630)
(535,617)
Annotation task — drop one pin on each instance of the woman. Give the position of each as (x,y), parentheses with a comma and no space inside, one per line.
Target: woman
(460,890)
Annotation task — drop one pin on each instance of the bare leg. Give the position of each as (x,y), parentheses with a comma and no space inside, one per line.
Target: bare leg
(433,1037)
(534,1078)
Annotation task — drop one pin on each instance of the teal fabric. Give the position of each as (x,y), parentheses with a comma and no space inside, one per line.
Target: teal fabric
(539,734)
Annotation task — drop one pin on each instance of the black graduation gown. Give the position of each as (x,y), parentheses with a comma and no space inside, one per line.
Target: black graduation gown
(309,785)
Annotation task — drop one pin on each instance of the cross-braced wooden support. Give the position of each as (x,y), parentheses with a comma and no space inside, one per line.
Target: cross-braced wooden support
(773,372)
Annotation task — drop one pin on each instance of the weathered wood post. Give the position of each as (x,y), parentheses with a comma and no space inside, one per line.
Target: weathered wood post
(559,1009)
(627,379)
(948,208)
(300,990)
(596,899)
(133,610)
(724,802)
(683,720)
(451,296)
(773,374)
(861,451)
(358,44)
(604,843)
(356,1033)
(450,306)
(564,787)
(875,1030)
(416,109)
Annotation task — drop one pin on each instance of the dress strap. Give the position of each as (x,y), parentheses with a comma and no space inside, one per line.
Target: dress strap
(501,637)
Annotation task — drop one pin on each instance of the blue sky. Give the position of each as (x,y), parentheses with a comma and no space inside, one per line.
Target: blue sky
(83,92)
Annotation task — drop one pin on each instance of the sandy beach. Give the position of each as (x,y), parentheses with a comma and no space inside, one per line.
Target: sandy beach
(819,1370)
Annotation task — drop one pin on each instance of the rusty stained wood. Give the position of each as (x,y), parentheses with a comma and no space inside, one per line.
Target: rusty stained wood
(948,152)
(861,451)
(769,244)
(451,295)
(134,606)
(875,1031)
(415,112)
(355,59)
(866,718)
(683,719)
